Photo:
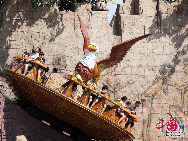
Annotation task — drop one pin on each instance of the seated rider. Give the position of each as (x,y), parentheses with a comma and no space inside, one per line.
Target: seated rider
(106,7)
(128,105)
(27,55)
(22,62)
(74,89)
(120,111)
(132,108)
(100,6)
(35,53)
(91,95)
(40,68)
(104,91)
(32,52)
(54,71)
(24,52)
(28,63)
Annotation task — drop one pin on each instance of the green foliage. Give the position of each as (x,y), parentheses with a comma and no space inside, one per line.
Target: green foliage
(63,4)
(42,3)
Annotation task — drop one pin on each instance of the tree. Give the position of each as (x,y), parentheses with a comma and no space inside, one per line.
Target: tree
(63,4)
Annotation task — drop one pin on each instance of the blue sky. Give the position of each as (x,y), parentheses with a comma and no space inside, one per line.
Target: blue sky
(112,8)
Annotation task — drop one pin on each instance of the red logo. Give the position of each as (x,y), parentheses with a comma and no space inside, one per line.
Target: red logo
(171,125)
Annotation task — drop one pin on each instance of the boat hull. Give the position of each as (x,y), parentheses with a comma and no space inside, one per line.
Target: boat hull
(66,109)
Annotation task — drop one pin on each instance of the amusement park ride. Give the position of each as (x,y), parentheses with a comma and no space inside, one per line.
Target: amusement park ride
(61,104)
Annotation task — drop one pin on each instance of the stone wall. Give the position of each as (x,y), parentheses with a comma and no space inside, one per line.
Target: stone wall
(155,70)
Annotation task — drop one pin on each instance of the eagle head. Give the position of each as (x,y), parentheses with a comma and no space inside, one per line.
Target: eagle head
(93,47)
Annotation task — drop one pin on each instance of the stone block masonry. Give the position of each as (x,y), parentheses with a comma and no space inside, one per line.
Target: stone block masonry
(154,69)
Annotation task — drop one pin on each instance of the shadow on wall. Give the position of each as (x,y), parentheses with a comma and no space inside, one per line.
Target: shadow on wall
(174,26)
(59,62)
(13,15)
(135,7)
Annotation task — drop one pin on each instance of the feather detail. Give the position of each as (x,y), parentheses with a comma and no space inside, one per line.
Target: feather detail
(85,34)
(118,52)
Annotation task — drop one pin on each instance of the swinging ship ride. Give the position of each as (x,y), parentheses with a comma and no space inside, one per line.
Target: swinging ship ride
(61,104)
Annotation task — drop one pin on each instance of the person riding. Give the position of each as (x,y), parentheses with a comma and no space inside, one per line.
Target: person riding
(128,105)
(28,63)
(36,53)
(40,68)
(32,52)
(91,95)
(132,108)
(120,111)
(104,91)
(54,71)
(74,89)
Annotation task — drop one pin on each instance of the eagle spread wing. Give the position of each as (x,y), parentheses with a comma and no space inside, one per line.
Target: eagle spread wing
(118,52)
(84,33)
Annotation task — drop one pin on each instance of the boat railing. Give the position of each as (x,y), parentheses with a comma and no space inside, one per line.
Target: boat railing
(110,113)
(32,74)
(19,59)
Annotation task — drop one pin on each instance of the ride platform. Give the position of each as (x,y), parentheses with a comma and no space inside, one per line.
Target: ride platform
(76,113)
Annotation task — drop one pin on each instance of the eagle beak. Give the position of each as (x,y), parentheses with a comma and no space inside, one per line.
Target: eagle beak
(92,47)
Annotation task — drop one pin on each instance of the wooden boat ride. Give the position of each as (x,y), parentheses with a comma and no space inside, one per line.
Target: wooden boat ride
(47,97)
